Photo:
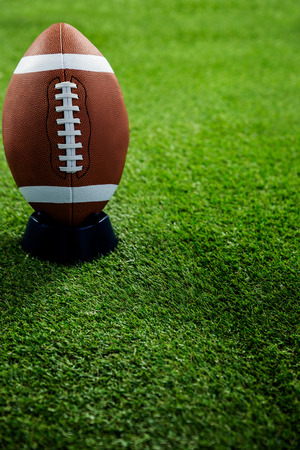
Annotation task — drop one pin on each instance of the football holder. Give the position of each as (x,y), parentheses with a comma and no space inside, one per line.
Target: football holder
(48,240)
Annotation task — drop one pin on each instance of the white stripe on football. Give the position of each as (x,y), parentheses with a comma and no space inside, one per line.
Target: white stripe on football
(42,63)
(64,194)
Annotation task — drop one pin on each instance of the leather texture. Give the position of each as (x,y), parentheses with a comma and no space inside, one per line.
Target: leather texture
(30,128)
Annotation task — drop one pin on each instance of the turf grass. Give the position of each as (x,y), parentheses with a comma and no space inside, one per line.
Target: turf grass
(187,336)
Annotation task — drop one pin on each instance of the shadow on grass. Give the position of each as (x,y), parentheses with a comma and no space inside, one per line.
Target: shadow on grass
(21,275)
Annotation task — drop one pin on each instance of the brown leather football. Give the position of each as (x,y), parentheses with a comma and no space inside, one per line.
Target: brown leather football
(65,126)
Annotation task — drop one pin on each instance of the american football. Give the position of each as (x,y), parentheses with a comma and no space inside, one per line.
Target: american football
(65,126)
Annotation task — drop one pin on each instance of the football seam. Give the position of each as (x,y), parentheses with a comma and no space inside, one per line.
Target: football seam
(90,131)
(64,75)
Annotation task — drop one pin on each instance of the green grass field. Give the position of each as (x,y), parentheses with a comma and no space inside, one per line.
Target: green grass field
(186,336)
